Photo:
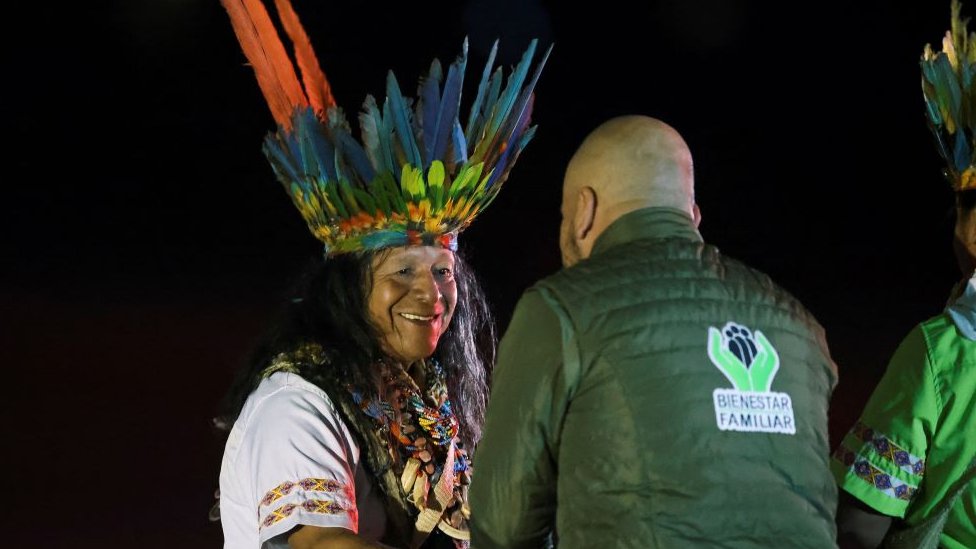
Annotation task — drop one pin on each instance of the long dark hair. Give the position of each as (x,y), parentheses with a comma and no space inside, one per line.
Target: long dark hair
(962,244)
(328,306)
(966,200)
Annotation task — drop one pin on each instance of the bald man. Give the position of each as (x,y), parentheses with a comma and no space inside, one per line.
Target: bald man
(653,393)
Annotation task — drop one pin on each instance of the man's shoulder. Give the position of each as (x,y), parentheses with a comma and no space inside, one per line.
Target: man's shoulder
(764,284)
(664,259)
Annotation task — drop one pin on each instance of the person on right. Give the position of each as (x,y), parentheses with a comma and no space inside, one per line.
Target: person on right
(654,393)
(906,468)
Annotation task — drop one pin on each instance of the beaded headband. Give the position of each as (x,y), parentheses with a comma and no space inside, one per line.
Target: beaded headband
(416,177)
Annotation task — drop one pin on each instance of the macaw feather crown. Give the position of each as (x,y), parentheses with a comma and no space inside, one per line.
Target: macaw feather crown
(416,176)
(950,99)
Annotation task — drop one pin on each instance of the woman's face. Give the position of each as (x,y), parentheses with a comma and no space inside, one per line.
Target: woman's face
(411,299)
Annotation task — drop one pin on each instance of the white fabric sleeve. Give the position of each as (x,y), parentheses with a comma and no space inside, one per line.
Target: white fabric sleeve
(296,456)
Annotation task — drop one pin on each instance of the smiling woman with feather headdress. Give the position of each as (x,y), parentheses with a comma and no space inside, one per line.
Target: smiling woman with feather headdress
(353,423)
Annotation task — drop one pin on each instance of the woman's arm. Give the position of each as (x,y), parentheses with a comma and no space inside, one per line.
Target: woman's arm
(859,526)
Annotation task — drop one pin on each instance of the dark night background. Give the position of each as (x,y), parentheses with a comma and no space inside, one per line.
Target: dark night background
(146,244)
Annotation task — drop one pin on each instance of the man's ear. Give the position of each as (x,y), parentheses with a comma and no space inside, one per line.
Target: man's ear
(585,212)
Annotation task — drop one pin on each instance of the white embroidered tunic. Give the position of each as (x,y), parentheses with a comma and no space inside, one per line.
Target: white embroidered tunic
(291,460)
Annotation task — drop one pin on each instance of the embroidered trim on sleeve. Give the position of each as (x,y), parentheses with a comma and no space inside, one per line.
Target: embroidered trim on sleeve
(333,506)
(319,506)
(307,484)
(859,462)
(884,482)
(888,450)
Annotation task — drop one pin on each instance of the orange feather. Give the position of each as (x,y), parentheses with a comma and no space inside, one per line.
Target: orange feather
(264,50)
(316,85)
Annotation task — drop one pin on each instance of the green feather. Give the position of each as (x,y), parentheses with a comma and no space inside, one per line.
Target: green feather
(380,196)
(333,196)
(346,191)
(367,202)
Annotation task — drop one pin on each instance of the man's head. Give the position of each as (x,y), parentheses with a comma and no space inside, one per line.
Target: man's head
(627,163)
(965,233)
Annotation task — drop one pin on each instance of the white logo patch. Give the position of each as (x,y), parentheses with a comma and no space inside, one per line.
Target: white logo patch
(750,362)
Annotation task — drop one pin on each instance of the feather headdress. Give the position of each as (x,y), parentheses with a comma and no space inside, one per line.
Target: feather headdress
(416,176)
(950,100)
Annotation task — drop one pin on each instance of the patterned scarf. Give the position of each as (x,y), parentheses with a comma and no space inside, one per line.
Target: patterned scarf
(422,432)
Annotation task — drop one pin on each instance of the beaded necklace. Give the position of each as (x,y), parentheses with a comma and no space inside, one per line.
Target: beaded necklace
(424,429)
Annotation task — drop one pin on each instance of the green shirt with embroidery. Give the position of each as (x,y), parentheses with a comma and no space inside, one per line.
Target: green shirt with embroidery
(917,433)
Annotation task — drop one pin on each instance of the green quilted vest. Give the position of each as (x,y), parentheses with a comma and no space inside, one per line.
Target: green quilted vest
(698,414)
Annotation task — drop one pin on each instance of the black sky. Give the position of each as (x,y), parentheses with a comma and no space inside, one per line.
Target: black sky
(146,242)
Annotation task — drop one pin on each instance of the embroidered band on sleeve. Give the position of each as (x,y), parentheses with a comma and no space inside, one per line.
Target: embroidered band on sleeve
(307,484)
(318,506)
(857,462)
(884,482)
(340,495)
(888,450)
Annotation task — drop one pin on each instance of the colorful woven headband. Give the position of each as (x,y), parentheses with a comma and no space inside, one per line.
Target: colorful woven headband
(950,98)
(417,177)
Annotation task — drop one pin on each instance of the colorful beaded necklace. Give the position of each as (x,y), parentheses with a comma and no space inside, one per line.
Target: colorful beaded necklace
(423,426)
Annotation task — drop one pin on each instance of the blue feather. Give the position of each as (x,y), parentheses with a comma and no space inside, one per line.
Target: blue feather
(525,96)
(949,83)
(274,150)
(512,89)
(340,167)
(480,133)
(325,150)
(526,137)
(512,152)
(514,139)
(401,121)
(312,146)
(969,108)
(293,151)
(475,116)
(387,136)
(428,108)
(500,168)
(494,90)
(507,111)
(369,130)
(303,131)
(450,103)
(375,137)
(459,146)
(384,239)
(386,139)
(351,151)
(961,155)
(521,112)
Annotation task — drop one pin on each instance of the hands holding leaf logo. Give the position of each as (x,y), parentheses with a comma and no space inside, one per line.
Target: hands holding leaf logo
(746,358)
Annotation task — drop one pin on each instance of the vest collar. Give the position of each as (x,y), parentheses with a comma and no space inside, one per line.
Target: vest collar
(647,223)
